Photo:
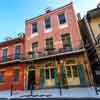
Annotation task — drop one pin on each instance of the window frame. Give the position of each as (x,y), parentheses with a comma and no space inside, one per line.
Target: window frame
(61,26)
(3,77)
(36,46)
(35,32)
(4,58)
(71,70)
(50,73)
(47,28)
(49,47)
(68,46)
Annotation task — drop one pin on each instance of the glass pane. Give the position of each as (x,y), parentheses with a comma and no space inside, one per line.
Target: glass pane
(1,76)
(66,41)
(75,72)
(68,68)
(34,27)
(5,52)
(34,45)
(17,49)
(47,23)
(52,73)
(47,73)
(62,19)
(49,43)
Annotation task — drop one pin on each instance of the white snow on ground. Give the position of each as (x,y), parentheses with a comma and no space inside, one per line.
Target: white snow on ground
(53,93)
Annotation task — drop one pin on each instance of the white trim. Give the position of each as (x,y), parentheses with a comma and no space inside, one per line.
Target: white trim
(18,44)
(65,24)
(48,30)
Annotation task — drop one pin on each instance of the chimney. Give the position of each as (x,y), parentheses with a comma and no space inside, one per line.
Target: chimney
(79,16)
(48,9)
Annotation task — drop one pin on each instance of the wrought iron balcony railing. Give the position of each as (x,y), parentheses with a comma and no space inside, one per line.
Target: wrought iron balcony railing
(36,54)
(12,57)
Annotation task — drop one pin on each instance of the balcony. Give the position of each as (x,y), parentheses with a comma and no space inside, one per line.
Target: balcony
(11,58)
(36,55)
(51,53)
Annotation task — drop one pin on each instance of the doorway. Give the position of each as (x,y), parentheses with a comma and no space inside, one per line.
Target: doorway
(31,79)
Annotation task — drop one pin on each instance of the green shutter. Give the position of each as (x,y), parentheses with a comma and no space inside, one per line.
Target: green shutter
(63,75)
(56,78)
(81,73)
(42,77)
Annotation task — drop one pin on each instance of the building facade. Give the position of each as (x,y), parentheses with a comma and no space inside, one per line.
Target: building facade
(54,54)
(11,67)
(93,18)
(90,30)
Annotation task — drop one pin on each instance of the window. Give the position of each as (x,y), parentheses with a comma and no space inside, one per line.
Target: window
(5,52)
(47,74)
(62,19)
(75,72)
(1,76)
(15,75)
(50,73)
(34,49)
(49,43)
(68,68)
(17,51)
(71,71)
(66,41)
(34,28)
(47,23)
(34,46)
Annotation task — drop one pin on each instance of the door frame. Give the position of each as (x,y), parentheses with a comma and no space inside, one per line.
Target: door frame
(27,72)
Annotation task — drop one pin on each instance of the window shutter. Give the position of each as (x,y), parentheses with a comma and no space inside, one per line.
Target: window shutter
(56,78)
(81,73)
(42,77)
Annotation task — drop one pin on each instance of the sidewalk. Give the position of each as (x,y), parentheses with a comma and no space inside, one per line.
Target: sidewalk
(52,93)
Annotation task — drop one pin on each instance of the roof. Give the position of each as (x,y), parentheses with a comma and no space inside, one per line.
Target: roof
(48,13)
(12,41)
(93,13)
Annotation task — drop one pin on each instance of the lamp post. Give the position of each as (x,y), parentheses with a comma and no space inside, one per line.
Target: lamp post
(60,77)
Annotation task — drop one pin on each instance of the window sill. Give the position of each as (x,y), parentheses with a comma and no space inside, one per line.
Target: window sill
(63,25)
(34,34)
(48,30)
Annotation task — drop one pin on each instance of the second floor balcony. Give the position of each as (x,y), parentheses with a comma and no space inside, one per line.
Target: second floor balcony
(11,58)
(33,55)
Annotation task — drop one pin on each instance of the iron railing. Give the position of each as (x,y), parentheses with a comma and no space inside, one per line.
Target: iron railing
(33,55)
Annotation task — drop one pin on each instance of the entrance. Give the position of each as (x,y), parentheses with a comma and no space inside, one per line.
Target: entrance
(31,79)
(72,75)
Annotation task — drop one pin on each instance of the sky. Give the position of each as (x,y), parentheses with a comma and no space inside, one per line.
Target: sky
(13,13)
